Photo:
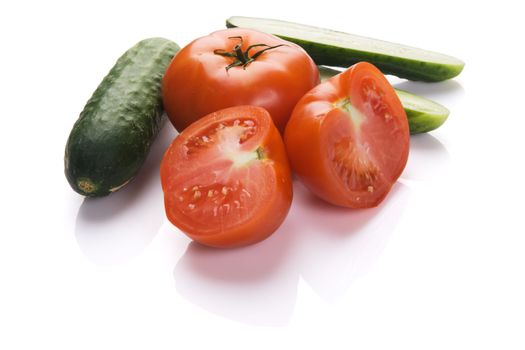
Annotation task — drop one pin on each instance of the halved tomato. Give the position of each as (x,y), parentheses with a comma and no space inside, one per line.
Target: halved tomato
(348,138)
(226,178)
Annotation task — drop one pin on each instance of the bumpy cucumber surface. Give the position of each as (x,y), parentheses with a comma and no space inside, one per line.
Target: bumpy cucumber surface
(423,115)
(113,134)
(333,48)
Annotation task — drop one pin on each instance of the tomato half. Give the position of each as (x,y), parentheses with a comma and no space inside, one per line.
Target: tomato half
(226,178)
(235,67)
(348,138)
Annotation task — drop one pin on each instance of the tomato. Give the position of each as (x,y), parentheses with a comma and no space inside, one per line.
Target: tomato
(226,178)
(348,138)
(235,67)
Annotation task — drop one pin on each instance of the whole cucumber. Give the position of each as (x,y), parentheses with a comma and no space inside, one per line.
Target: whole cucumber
(113,134)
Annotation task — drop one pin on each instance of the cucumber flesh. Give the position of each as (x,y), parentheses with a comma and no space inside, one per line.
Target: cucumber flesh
(333,48)
(423,115)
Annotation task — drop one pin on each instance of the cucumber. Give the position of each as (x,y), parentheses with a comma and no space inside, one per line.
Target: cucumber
(423,115)
(113,134)
(332,48)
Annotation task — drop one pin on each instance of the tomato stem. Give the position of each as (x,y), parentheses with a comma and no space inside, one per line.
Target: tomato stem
(260,153)
(242,58)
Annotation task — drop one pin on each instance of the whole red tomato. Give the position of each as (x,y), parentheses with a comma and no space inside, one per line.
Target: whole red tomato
(235,67)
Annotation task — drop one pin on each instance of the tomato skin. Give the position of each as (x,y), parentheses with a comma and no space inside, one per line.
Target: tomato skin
(349,159)
(267,179)
(197,83)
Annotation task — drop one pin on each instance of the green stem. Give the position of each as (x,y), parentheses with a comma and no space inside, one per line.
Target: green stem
(242,58)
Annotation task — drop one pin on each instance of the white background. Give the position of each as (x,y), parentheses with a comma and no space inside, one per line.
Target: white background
(439,265)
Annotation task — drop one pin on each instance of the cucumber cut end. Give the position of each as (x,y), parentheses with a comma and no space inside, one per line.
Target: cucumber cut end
(421,104)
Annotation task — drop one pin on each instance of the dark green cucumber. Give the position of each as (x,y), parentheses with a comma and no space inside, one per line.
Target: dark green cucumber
(113,134)
(332,48)
(423,115)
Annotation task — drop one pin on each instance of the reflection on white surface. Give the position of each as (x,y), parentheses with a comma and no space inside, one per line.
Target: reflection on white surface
(113,229)
(428,158)
(253,284)
(338,245)
(328,246)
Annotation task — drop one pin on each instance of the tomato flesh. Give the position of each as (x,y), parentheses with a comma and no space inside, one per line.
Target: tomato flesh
(226,178)
(348,138)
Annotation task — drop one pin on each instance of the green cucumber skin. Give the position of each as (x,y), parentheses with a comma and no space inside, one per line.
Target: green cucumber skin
(113,134)
(420,119)
(403,68)
(330,55)
(421,122)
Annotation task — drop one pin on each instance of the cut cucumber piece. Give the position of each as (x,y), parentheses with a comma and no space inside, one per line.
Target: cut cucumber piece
(423,115)
(333,48)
